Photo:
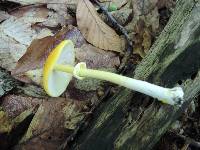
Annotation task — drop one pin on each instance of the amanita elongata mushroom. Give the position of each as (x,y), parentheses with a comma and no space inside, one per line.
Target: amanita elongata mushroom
(59,69)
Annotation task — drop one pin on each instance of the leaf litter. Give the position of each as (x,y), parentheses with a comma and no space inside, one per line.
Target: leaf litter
(29,33)
(95,30)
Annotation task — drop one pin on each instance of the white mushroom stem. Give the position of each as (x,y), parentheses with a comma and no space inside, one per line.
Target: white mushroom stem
(172,96)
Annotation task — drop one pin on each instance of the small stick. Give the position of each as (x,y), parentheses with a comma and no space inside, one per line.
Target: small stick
(129,50)
(115,23)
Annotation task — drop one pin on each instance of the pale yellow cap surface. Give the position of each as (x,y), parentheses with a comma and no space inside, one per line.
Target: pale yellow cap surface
(56,82)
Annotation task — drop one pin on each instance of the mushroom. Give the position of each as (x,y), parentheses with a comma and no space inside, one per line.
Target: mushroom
(59,69)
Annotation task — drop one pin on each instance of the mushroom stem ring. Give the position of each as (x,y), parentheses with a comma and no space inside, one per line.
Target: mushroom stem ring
(173,96)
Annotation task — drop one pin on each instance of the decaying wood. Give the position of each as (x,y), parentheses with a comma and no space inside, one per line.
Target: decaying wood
(130,120)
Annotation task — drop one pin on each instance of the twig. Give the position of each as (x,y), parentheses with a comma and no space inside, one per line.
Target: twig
(114,22)
(119,27)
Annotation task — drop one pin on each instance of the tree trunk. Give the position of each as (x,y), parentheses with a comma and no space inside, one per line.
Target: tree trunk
(130,120)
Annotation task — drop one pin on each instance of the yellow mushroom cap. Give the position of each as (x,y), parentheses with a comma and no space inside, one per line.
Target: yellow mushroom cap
(56,82)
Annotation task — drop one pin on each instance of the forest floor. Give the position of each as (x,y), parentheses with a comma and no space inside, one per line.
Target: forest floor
(29,30)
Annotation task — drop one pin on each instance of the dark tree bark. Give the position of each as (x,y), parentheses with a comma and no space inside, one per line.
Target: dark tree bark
(130,120)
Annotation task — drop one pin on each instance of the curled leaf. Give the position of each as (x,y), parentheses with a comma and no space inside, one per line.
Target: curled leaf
(94,29)
(39,49)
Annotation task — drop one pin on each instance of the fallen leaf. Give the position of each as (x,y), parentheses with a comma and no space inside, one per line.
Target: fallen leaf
(152,20)
(22,27)
(38,51)
(145,24)
(8,120)
(148,11)
(61,9)
(31,14)
(14,105)
(51,16)
(59,15)
(10,51)
(76,36)
(143,7)
(142,39)
(20,30)
(95,30)
(16,33)
(146,43)
(96,58)
(3,16)
(53,118)
(35,55)
(25,2)
(118,3)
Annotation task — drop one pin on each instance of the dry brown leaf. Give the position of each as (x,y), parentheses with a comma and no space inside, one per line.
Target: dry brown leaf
(3,15)
(143,7)
(25,2)
(94,29)
(30,59)
(10,51)
(152,20)
(59,16)
(14,105)
(60,8)
(16,33)
(117,3)
(20,30)
(22,27)
(96,58)
(145,24)
(148,11)
(142,38)
(146,40)
(53,118)
(38,51)
(14,109)
(32,14)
